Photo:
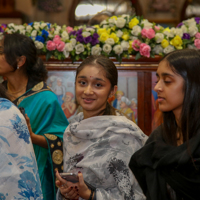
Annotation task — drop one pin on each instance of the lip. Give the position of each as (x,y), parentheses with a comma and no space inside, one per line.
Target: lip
(160,99)
(88,100)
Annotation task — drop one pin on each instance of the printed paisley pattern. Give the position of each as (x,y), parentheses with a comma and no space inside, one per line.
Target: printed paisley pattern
(101,147)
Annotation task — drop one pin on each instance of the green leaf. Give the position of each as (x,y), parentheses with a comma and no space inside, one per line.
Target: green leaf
(48,55)
(138,55)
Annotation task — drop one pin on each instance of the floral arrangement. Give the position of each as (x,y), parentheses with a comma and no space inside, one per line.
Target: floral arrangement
(118,36)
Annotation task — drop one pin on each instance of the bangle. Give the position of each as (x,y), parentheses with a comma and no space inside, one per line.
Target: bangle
(91,195)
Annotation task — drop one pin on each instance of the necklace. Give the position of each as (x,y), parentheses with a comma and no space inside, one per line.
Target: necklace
(17,91)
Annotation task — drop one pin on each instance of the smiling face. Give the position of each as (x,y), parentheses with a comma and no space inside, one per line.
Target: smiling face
(170,89)
(92,90)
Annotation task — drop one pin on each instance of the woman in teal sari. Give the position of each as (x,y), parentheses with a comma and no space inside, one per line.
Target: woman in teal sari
(25,83)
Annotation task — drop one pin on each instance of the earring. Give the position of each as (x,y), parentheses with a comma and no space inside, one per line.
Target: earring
(17,67)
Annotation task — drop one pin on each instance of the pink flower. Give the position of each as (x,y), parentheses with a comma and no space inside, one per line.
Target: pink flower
(148,33)
(197,35)
(197,43)
(51,45)
(69,29)
(56,39)
(61,46)
(145,50)
(136,45)
(157,28)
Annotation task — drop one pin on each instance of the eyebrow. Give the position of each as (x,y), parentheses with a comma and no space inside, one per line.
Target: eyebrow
(98,79)
(165,74)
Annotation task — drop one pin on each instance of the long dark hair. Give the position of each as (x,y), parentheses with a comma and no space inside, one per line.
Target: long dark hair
(16,45)
(111,74)
(3,93)
(186,63)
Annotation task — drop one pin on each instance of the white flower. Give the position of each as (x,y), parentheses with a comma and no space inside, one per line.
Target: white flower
(29,28)
(118,49)
(120,22)
(111,21)
(179,32)
(79,48)
(119,33)
(68,47)
(184,29)
(158,49)
(65,35)
(147,24)
(56,32)
(96,50)
(159,37)
(107,48)
(133,38)
(192,30)
(39,45)
(86,34)
(36,27)
(125,45)
(34,33)
(173,31)
(23,32)
(58,28)
(42,25)
(51,35)
(190,22)
(11,25)
(110,41)
(66,53)
(168,34)
(168,49)
(90,29)
(106,26)
(10,31)
(104,22)
(136,30)
(73,42)
(125,15)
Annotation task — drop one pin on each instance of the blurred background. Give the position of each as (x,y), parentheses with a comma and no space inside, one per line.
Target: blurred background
(78,12)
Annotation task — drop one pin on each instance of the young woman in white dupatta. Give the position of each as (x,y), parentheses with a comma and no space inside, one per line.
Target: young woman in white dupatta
(99,141)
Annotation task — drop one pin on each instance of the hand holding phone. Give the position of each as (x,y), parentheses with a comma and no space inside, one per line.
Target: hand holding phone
(70,177)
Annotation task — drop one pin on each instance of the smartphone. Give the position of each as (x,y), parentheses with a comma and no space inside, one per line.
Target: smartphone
(70,177)
(22,110)
(74,179)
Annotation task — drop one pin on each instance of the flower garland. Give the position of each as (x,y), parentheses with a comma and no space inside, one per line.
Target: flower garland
(118,36)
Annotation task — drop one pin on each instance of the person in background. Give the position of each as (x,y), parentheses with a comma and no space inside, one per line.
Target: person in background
(167,167)
(19,178)
(116,102)
(125,104)
(25,83)
(99,141)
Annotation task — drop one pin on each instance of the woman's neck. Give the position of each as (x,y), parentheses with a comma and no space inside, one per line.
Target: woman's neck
(88,114)
(16,86)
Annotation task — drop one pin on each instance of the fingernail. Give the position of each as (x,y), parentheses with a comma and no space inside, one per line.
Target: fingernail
(79,172)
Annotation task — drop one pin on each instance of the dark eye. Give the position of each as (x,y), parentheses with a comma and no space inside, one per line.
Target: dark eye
(98,85)
(167,82)
(82,82)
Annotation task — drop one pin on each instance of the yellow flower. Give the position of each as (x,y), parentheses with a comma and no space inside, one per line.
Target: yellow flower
(96,26)
(125,36)
(114,17)
(114,37)
(104,36)
(108,30)
(164,43)
(130,45)
(101,30)
(133,22)
(166,29)
(177,42)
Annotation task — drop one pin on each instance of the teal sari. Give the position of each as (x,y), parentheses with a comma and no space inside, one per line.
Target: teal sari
(47,119)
